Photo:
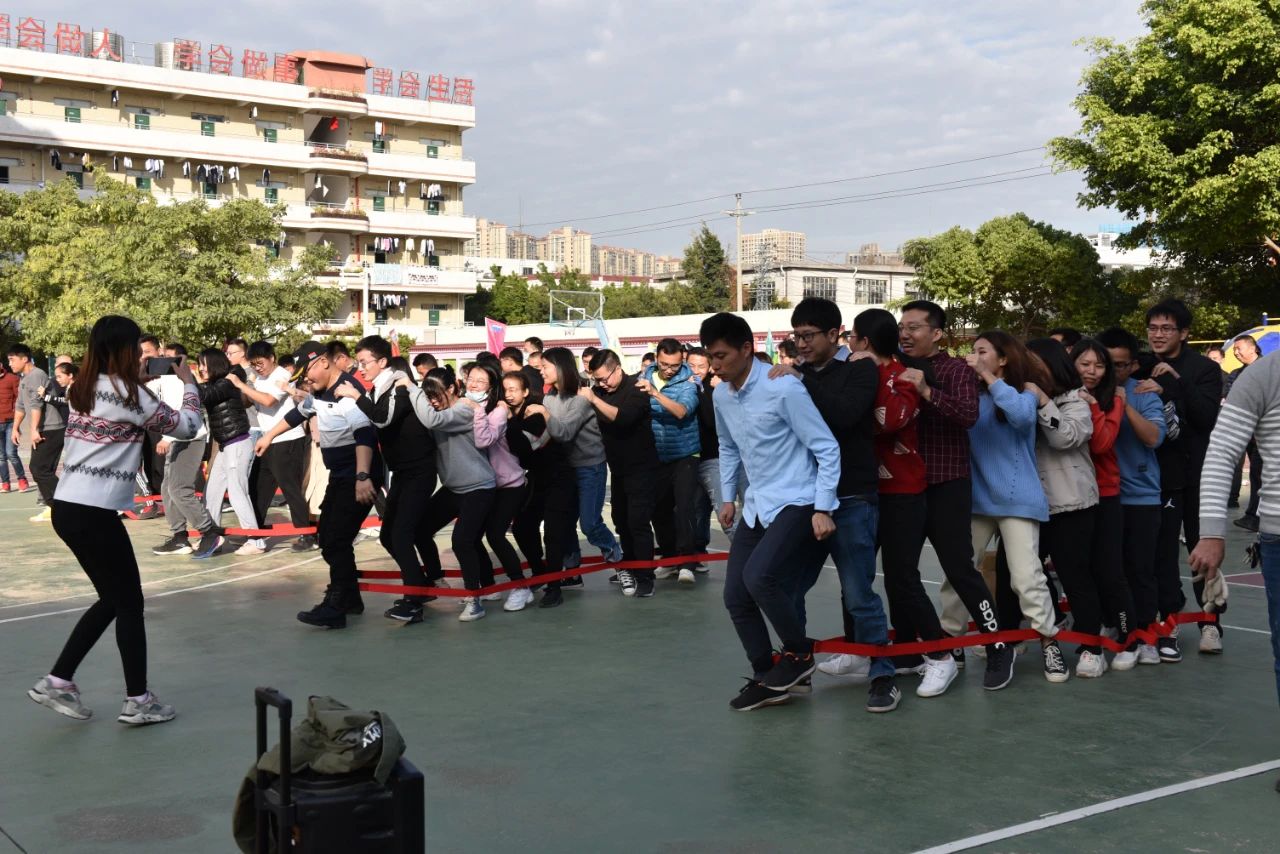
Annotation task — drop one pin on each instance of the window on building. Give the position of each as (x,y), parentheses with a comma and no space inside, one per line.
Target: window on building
(433,151)
(142,183)
(71,114)
(822,287)
(207,128)
(870,291)
(271,195)
(4,172)
(380,146)
(433,207)
(4,106)
(210,190)
(141,121)
(77,178)
(270,135)
(379,203)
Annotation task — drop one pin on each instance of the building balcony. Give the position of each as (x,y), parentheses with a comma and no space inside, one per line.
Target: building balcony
(417,279)
(415,223)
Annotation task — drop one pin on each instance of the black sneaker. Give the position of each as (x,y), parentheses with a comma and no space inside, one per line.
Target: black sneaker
(210,542)
(1249,523)
(789,670)
(327,615)
(754,696)
(884,695)
(150,510)
(1055,668)
(405,610)
(176,545)
(1168,648)
(551,598)
(999,667)
(573,582)
(305,543)
(644,588)
(957,655)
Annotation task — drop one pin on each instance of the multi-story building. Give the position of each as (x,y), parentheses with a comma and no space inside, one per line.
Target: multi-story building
(492,241)
(521,245)
(365,162)
(1112,257)
(566,246)
(617,261)
(780,247)
(665,265)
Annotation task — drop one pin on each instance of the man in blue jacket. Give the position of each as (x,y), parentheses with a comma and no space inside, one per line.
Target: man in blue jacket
(673,405)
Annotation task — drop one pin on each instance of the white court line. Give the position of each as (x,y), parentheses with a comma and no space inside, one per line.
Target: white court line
(1243,629)
(170,592)
(1099,808)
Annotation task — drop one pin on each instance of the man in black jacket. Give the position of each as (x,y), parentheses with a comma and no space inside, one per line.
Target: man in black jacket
(1190,385)
(409,451)
(845,394)
(625,425)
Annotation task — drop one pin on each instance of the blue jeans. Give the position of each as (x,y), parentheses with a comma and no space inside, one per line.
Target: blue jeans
(709,501)
(9,453)
(1270,544)
(591,485)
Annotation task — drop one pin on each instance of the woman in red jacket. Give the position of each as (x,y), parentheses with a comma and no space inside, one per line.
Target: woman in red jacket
(9,451)
(1106,402)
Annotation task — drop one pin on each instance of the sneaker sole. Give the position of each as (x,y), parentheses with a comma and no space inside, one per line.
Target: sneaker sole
(689,580)
(49,703)
(468,618)
(767,701)
(628,591)
(1122,668)
(788,686)
(329,625)
(144,720)
(800,689)
(849,674)
(162,552)
(648,595)
(921,693)
(416,618)
(1002,685)
(1056,678)
(520,607)
(1168,659)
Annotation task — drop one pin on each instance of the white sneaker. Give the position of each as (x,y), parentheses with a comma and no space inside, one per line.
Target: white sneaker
(1125,660)
(628,582)
(517,599)
(491,597)
(1210,640)
(471,610)
(1091,665)
(846,665)
(939,673)
(664,572)
(686,577)
(981,651)
(1147,654)
(149,711)
(252,547)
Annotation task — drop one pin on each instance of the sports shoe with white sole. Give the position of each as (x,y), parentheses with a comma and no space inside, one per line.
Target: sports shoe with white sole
(1091,665)
(627,582)
(252,547)
(1126,660)
(517,599)
(64,701)
(842,664)
(662,573)
(1055,666)
(1210,640)
(472,610)
(147,711)
(1148,654)
(939,673)
(492,597)
(686,576)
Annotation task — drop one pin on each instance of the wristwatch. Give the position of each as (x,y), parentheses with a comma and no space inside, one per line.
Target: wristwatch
(362,475)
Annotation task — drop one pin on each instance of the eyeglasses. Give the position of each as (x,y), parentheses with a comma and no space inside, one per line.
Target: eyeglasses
(806,337)
(599,381)
(913,328)
(1155,329)
(367,363)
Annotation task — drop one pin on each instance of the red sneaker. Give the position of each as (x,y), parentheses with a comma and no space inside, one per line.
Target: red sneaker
(4,487)
(23,486)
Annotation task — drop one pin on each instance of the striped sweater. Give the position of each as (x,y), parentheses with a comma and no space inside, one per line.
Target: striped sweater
(1252,410)
(104,446)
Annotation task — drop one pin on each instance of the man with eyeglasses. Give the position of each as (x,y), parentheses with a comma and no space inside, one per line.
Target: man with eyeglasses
(625,419)
(673,406)
(1190,386)
(948,408)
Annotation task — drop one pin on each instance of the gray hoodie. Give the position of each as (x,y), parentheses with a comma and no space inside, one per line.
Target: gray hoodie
(463,467)
(573,424)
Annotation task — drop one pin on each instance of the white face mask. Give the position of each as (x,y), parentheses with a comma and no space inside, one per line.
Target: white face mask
(478,396)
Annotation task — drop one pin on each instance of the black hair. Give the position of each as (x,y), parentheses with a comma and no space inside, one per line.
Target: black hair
(399,363)
(698,351)
(1172,308)
(443,375)
(425,359)
(762,356)
(535,341)
(1117,337)
(19,350)
(1070,337)
(484,354)
(515,354)
(880,328)
(1218,349)
(647,357)
(1105,393)
(334,347)
(670,347)
(149,339)
(1061,367)
(178,349)
(822,314)
(239,342)
(604,359)
(1254,341)
(788,348)
(286,361)
(495,383)
(68,368)
(568,380)
(588,352)
(112,352)
(517,376)
(376,345)
(729,328)
(260,350)
(937,316)
(216,364)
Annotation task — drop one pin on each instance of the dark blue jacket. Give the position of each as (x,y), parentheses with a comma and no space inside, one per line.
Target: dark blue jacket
(676,438)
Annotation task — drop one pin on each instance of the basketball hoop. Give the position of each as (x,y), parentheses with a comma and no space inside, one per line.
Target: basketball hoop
(575,309)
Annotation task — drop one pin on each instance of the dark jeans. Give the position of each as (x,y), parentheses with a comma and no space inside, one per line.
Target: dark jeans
(1107,566)
(1270,545)
(283,465)
(506,504)
(949,508)
(1141,533)
(9,454)
(1179,517)
(44,462)
(403,522)
(901,538)
(760,583)
(98,539)
(1067,538)
(633,496)
(471,510)
(1255,477)
(153,463)
(675,515)
(340,519)
(553,504)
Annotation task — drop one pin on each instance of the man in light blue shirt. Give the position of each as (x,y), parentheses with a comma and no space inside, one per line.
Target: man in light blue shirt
(792,463)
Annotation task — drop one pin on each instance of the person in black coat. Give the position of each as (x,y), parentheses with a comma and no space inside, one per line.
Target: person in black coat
(229,427)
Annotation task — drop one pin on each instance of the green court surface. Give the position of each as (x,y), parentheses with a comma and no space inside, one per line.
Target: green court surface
(603,725)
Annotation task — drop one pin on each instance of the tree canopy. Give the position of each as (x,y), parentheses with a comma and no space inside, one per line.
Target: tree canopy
(185,272)
(706,271)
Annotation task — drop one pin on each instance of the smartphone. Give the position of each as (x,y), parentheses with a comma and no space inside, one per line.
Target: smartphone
(159,366)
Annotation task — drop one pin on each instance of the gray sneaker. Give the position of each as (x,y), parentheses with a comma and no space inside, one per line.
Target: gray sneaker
(150,711)
(64,701)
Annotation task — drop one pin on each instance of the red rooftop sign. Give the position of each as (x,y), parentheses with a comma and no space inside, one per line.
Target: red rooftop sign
(28,33)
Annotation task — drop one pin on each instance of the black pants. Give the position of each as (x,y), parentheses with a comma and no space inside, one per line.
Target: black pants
(1255,477)
(506,504)
(1107,560)
(401,524)
(676,489)
(153,463)
(633,496)
(282,465)
(471,509)
(553,505)
(901,538)
(1141,533)
(948,517)
(340,519)
(98,539)
(44,462)
(1179,517)
(1067,538)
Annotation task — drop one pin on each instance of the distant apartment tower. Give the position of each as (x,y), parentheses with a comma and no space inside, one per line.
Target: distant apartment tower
(566,246)
(521,245)
(617,261)
(667,265)
(785,247)
(491,241)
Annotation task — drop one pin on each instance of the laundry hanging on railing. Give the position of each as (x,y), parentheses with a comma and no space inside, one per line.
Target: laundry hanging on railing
(435,191)
(382,302)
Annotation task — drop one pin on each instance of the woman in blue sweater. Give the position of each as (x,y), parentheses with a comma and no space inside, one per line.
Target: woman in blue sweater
(1008,498)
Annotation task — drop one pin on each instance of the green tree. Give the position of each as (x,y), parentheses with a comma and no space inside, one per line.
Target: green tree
(184,272)
(1178,132)
(706,272)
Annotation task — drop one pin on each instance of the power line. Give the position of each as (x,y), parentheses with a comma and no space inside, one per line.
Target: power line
(562,220)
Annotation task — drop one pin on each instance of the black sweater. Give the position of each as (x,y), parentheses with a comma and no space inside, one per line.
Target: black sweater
(707,435)
(1196,395)
(845,394)
(408,448)
(628,439)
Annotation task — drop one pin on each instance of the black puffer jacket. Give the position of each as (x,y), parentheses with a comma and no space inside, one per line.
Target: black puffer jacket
(225,406)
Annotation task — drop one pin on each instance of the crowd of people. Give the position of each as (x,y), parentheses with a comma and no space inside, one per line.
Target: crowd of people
(1059,465)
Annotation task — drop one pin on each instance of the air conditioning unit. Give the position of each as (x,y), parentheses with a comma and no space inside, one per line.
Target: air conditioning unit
(105,45)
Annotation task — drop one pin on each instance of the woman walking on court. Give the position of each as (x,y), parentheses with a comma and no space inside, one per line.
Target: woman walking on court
(110,412)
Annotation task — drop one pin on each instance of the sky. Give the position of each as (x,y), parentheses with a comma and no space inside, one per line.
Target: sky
(661,111)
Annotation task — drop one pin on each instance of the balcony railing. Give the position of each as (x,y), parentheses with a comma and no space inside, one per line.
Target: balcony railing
(342,210)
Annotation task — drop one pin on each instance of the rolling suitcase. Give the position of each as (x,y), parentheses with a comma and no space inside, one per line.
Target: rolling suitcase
(321,813)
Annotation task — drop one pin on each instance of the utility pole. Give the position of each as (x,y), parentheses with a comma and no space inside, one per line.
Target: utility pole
(737,213)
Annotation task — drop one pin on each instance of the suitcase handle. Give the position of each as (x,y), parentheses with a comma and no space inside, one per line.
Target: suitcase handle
(262,698)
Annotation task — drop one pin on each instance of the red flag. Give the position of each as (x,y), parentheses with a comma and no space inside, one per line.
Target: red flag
(495,335)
